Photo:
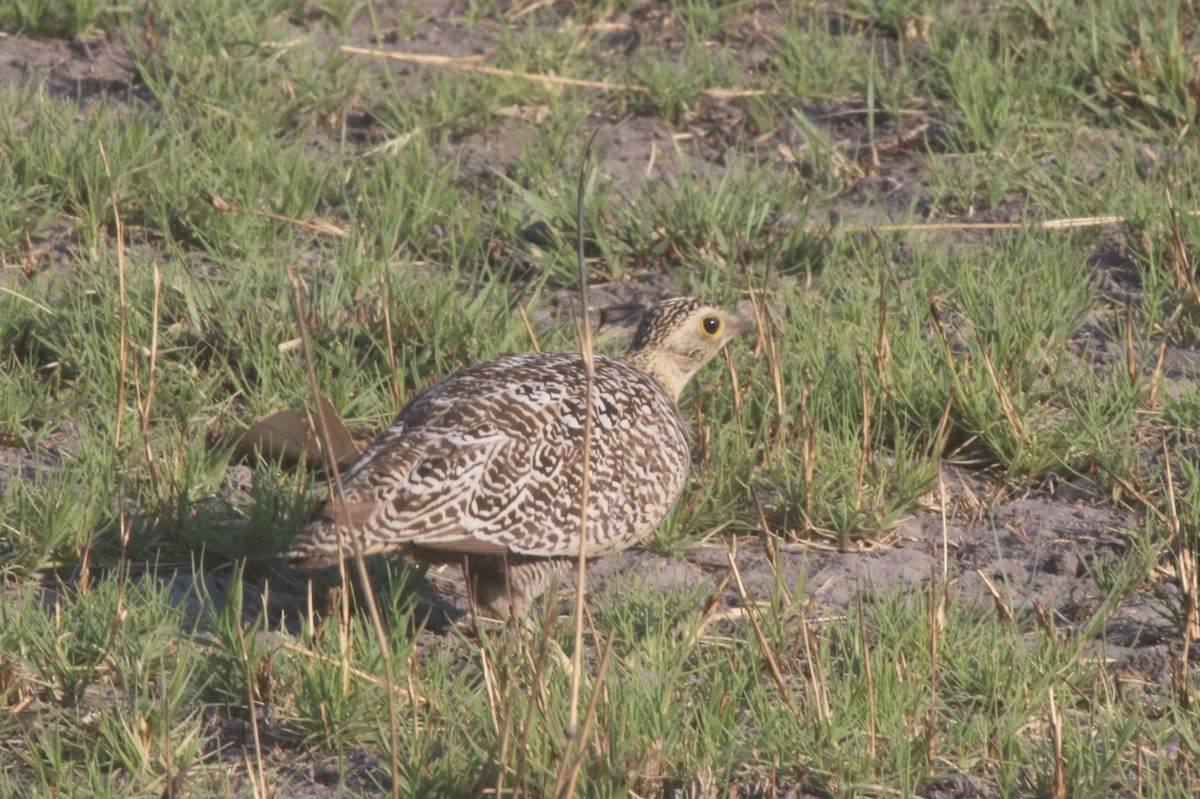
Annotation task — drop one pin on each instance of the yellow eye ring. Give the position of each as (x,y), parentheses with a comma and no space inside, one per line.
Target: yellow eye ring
(711,326)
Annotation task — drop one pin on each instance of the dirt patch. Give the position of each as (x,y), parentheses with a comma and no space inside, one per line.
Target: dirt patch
(1038,550)
(94,69)
(641,152)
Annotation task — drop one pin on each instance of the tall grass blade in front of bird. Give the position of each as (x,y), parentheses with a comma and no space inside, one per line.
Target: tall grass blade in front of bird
(585,346)
(336,489)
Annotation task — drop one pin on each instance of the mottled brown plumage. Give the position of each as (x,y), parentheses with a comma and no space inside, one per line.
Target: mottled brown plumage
(487,465)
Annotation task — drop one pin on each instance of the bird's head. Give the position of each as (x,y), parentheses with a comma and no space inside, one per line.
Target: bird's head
(678,336)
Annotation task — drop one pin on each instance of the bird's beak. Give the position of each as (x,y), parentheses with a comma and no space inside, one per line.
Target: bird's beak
(741,324)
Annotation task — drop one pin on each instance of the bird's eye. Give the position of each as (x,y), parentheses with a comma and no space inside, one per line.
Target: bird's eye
(711,325)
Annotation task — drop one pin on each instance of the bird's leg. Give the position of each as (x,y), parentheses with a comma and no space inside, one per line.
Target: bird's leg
(507,589)
(495,593)
(533,577)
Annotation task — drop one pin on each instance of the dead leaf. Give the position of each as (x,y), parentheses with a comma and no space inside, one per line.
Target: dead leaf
(343,450)
(292,436)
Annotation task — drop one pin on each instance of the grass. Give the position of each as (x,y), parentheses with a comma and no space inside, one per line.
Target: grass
(140,626)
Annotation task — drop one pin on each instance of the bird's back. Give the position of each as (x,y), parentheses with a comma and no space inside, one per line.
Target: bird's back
(489,462)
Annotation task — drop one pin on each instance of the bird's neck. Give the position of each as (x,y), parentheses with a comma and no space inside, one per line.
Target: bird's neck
(663,369)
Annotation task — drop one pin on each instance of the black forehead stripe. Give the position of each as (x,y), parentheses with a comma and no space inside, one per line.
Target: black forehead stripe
(664,316)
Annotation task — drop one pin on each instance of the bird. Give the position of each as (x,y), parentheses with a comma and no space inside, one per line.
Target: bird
(485,468)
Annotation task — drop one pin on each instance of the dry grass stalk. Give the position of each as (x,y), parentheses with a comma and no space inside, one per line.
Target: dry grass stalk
(1068,223)
(147,401)
(1010,410)
(489,676)
(334,477)
(773,361)
(22,297)
(944,502)
(709,614)
(319,226)
(935,313)
(386,296)
(872,736)
(700,452)
(1156,375)
(936,622)
(817,684)
(769,540)
(1185,276)
(1133,491)
(1059,789)
(751,613)
(567,789)
(122,376)
(1130,358)
(589,367)
(1045,620)
(260,776)
(735,385)
(122,315)
(883,349)
(808,447)
(1002,608)
(533,339)
(472,65)
(1189,585)
(546,644)
(864,454)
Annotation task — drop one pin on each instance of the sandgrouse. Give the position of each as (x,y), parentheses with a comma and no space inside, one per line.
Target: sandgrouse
(485,468)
